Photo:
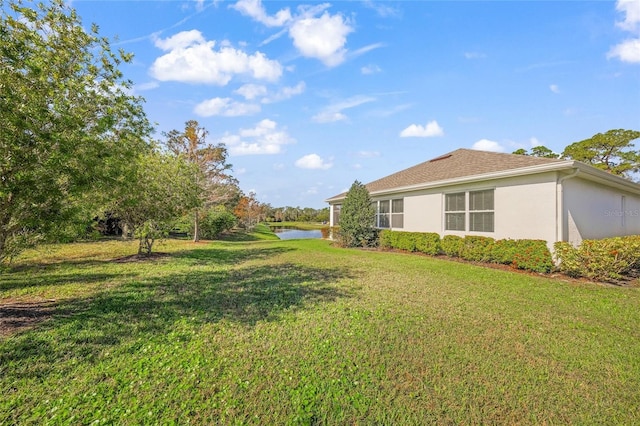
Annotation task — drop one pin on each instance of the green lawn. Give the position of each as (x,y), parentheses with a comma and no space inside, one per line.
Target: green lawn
(300,332)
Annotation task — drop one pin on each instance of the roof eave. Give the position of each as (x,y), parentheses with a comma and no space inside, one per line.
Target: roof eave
(521,171)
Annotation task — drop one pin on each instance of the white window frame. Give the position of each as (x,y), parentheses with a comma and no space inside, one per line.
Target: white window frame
(468,212)
(388,215)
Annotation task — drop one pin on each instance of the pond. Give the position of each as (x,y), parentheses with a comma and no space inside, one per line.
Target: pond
(291,233)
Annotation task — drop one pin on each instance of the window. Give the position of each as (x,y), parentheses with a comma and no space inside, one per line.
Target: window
(455,212)
(383,214)
(480,211)
(389,213)
(397,213)
(336,214)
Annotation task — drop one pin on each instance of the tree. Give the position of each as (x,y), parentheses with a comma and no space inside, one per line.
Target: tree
(213,172)
(250,211)
(537,151)
(68,125)
(161,189)
(357,218)
(611,151)
(543,151)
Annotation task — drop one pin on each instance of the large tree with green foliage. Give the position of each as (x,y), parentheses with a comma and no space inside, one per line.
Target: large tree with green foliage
(611,151)
(160,189)
(68,124)
(357,218)
(213,172)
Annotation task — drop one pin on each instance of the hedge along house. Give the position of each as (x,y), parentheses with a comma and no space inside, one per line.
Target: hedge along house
(468,192)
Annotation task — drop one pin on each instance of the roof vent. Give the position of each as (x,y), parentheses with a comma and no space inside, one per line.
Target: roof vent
(442,157)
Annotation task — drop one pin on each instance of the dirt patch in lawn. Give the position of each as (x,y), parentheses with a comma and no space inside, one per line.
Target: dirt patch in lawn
(18,316)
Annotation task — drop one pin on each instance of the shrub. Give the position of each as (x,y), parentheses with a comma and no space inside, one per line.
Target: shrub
(216,221)
(605,259)
(405,240)
(451,245)
(503,251)
(424,242)
(532,255)
(357,218)
(476,248)
(428,243)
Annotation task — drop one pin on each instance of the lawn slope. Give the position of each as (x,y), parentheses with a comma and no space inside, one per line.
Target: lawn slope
(300,332)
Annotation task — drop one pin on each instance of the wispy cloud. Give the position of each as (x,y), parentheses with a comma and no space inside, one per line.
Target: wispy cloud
(474,55)
(334,112)
(225,107)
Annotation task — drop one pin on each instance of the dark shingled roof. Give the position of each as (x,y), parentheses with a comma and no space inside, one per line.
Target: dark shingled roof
(456,164)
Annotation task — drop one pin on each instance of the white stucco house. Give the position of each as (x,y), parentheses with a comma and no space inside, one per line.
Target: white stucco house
(469,192)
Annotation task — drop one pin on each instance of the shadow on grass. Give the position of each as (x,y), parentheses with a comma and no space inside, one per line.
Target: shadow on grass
(17,282)
(229,255)
(141,311)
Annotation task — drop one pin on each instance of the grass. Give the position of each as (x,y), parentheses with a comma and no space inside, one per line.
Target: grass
(300,332)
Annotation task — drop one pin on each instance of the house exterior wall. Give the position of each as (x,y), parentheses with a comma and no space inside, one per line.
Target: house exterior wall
(524,208)
(594,211)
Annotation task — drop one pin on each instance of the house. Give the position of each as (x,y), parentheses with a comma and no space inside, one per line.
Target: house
(469,192)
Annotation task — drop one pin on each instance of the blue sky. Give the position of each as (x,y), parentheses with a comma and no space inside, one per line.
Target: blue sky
(310,96)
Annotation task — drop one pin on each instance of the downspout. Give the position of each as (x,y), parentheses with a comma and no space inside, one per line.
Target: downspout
(560,204)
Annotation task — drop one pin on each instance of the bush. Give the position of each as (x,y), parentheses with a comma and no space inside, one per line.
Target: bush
(451,245)
(424,242)
(476,248)
(503,251)
(216,221)
(606,259)
(428,243)
(532,255)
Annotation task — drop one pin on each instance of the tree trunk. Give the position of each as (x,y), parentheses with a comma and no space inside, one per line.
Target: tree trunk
(196,223)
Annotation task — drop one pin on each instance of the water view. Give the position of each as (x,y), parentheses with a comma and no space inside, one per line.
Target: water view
(292,233)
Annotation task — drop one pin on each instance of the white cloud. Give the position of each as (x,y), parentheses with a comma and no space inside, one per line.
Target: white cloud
(631,10)
(629,49)
(192,59)
(285,93)
(255,91)
(255,10)
(554,88)
(417,131)
(225,107)
(334,113)
(370,69)
(265,138)
(251,91)
(313,161)
(487,145)
(314,31)
(146,86)
(322,38)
